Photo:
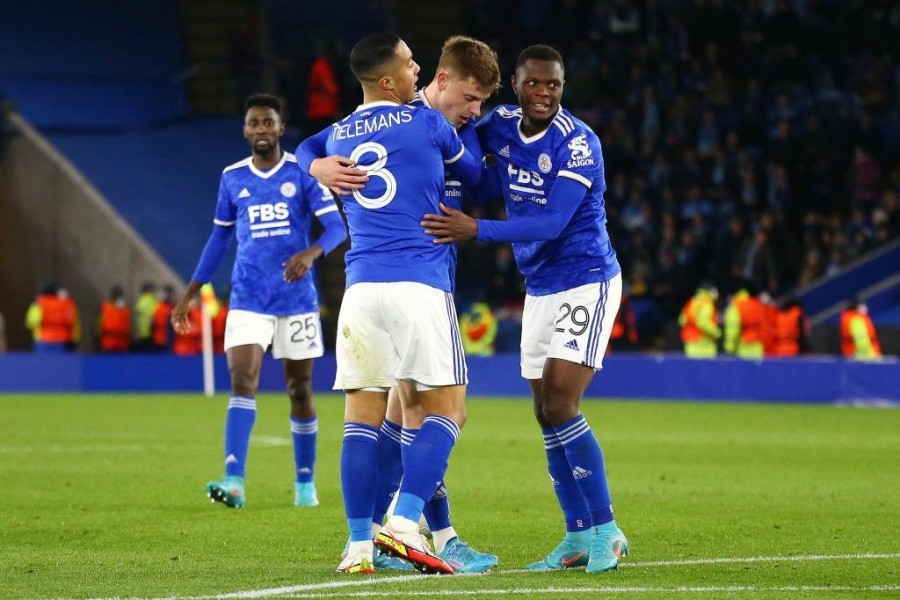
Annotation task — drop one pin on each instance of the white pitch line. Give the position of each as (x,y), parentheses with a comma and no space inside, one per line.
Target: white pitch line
(612,590)
(294,590)
(753,559)
(726,560)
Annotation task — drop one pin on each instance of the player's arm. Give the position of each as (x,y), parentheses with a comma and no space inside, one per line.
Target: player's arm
(334,231)
(212,255)
(456,226)
(488,186)
(338,173)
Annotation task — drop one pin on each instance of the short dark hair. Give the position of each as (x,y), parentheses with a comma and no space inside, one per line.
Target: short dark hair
(370,54)
(540,52)
(266,100)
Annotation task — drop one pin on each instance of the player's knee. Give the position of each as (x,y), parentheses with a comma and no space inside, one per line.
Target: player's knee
(558,411)
(300,393)
(243,383)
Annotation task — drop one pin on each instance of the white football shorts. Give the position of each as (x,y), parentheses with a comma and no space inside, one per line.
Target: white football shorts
(388,332)
(296,337)
(572,325)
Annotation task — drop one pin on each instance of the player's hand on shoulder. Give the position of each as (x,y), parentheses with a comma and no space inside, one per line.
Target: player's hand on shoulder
(339,174)
(452,226)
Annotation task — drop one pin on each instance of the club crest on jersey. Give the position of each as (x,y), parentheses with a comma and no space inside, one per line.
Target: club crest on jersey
(581,152)
(288,189)
(544,162)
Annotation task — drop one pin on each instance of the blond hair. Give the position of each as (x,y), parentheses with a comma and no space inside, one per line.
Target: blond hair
(467,58)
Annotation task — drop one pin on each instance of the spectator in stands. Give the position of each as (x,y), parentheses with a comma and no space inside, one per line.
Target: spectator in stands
(624,335)
(743,99)
(756,263)
(699,321)
(859,339)
(323,93)
(144,308)
(113,326)
(53,321)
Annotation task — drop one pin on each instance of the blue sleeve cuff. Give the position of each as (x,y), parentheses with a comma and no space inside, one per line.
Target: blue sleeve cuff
(335,231)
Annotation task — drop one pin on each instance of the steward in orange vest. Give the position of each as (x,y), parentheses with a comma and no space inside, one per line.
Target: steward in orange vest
(161,330)
(52,318)
(858,337)
(190,343)
(791,330)
(114,323)
(744,321)
(699,323)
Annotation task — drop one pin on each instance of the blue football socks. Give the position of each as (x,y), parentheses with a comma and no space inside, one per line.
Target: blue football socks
(425,464)
(586,461)
(304,432)
(359,471)
(390,468)
(239,422)
(574,508)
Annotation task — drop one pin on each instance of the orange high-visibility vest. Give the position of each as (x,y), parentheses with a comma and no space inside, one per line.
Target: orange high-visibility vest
(114,327)
(752,319)
(322,95)
(161,327)
(57,319)
(788,331)
(190,343)
(848,346)
(218,329)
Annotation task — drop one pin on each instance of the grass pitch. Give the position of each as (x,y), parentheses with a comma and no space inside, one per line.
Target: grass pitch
(104,499)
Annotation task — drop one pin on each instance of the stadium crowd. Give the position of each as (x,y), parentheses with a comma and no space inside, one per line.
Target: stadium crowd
(752,140)
(745,142)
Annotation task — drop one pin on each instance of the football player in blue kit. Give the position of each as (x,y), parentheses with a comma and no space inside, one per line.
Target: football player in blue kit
(397,324)
(467,74)
(269,204)
(549,168)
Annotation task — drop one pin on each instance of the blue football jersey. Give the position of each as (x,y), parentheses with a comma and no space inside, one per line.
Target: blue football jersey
(404,150)
(528,167)
(454,192)
(272,214)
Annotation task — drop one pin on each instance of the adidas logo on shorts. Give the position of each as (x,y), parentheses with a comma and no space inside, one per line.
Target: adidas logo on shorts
(572,345)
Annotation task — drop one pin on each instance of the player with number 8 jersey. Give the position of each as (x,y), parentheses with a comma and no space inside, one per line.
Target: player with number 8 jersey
(397,324)
(385,140)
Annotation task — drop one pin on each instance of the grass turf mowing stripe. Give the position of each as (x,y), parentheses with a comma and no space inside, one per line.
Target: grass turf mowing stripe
(292,591)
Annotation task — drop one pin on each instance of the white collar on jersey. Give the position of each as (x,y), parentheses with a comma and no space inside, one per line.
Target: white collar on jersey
(424,98)
(376,104)
(270,172)
(537,136)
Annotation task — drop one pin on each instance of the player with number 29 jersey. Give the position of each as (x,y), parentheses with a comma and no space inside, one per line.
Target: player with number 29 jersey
(528,167)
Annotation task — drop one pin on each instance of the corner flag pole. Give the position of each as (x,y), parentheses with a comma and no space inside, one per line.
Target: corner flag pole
(209,307)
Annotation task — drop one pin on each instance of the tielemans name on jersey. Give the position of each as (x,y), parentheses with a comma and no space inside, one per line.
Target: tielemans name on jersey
(345,131)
